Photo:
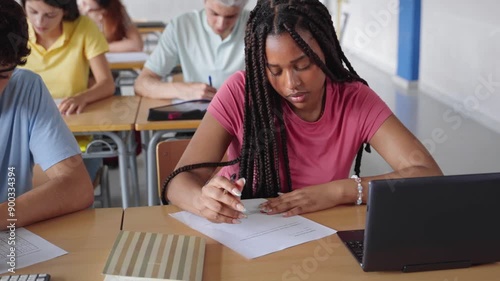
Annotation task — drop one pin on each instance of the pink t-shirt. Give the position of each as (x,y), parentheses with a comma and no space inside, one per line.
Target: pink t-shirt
(320,151)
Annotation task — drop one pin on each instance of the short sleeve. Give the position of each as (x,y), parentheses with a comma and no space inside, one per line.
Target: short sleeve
(95,42)
(50,139)
(370,110)
(166,54)
(228,104)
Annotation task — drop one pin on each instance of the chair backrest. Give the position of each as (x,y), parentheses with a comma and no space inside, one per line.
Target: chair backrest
(168,153)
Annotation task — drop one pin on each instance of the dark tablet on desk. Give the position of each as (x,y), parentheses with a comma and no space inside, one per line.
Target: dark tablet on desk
(187,110)
(146,24)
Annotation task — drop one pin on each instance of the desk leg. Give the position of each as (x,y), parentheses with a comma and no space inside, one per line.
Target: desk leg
(145,136)
(133,167)
(151,169)
(122,160)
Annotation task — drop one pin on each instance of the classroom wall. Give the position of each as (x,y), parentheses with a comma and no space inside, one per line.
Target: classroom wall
(460,40)
(370,31)
(460,56)
(460,43)
(165,10)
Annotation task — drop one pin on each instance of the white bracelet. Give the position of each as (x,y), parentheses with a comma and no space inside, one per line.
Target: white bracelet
(360,189)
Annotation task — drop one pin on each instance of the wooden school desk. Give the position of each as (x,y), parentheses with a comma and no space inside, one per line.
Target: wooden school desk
(324,259)
(158,128)
(126,61)
(87,236)
(145,27)
(109,117)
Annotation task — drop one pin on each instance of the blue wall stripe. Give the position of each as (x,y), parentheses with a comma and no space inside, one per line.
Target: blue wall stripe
(409,39)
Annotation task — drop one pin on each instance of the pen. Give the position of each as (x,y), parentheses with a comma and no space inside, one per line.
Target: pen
(210,80)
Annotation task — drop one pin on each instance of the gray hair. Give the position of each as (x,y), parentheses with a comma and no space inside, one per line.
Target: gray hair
(232,3)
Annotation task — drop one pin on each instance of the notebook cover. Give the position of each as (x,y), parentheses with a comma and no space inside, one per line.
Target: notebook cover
(188,110)
(155,256)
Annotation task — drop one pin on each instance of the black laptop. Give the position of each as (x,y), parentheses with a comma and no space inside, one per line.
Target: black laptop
(430,223)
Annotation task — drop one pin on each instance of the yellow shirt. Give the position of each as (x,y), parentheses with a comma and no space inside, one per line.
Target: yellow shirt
(64,67)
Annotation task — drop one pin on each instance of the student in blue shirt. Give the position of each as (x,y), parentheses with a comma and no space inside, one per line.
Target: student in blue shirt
(33,131)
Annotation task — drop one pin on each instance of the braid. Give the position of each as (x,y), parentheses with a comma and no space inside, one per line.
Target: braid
(274,17)
(189,168)
(282,131)
(260,157)
(264,135)
(324,37)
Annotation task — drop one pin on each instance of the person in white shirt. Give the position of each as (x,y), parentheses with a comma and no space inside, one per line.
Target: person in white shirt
(207,44)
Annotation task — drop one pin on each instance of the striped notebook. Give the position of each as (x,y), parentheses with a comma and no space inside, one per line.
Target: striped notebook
(148,256)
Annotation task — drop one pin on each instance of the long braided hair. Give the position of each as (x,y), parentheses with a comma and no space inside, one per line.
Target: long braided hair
(264,136)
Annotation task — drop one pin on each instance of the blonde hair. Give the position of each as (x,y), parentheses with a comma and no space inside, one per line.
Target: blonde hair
(232,3)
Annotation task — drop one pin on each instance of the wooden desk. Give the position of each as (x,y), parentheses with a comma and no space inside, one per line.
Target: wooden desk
(109,117)
(151,29)
(161,127)
(87,236)
(116,113)
(324,259)
(142,123)
(126,65)
(145,27)
(127,60)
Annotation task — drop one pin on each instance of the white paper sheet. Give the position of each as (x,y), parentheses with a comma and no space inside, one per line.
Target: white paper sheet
(126,57)
(259,234)
(30,249)
(58,101)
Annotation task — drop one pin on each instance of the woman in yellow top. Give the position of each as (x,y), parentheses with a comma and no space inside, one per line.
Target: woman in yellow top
(64,48)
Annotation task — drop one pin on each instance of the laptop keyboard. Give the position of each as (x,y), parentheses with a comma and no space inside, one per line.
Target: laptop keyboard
(356,248)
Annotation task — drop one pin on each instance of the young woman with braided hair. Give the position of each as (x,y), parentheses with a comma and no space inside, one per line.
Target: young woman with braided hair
(293,123)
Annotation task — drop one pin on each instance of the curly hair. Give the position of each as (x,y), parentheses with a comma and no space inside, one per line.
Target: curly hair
(13,34)
(264,138)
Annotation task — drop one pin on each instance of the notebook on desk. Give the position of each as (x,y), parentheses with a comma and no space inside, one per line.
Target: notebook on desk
(429,223)
(147,256)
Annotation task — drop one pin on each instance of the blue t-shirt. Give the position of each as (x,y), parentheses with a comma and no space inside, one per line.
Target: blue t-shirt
(31,131)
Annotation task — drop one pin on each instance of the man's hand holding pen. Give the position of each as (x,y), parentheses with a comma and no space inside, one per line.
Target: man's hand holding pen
(220,200)
(197,90)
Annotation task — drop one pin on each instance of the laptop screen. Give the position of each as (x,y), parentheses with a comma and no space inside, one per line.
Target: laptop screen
(430,223)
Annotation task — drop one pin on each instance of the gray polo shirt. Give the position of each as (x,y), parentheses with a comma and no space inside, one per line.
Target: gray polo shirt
(189,41)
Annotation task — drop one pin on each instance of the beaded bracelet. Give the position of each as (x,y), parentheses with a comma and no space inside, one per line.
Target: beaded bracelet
(360,189)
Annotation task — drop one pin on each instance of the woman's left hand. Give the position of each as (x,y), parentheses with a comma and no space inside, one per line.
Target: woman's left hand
(304,200)
(72,105)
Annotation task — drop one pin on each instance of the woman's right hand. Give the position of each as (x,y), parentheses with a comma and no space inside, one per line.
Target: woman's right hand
(220,200)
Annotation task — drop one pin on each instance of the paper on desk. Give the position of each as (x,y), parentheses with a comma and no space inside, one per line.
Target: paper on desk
(259,234)
(126,57)
(58,101)
(30,249)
